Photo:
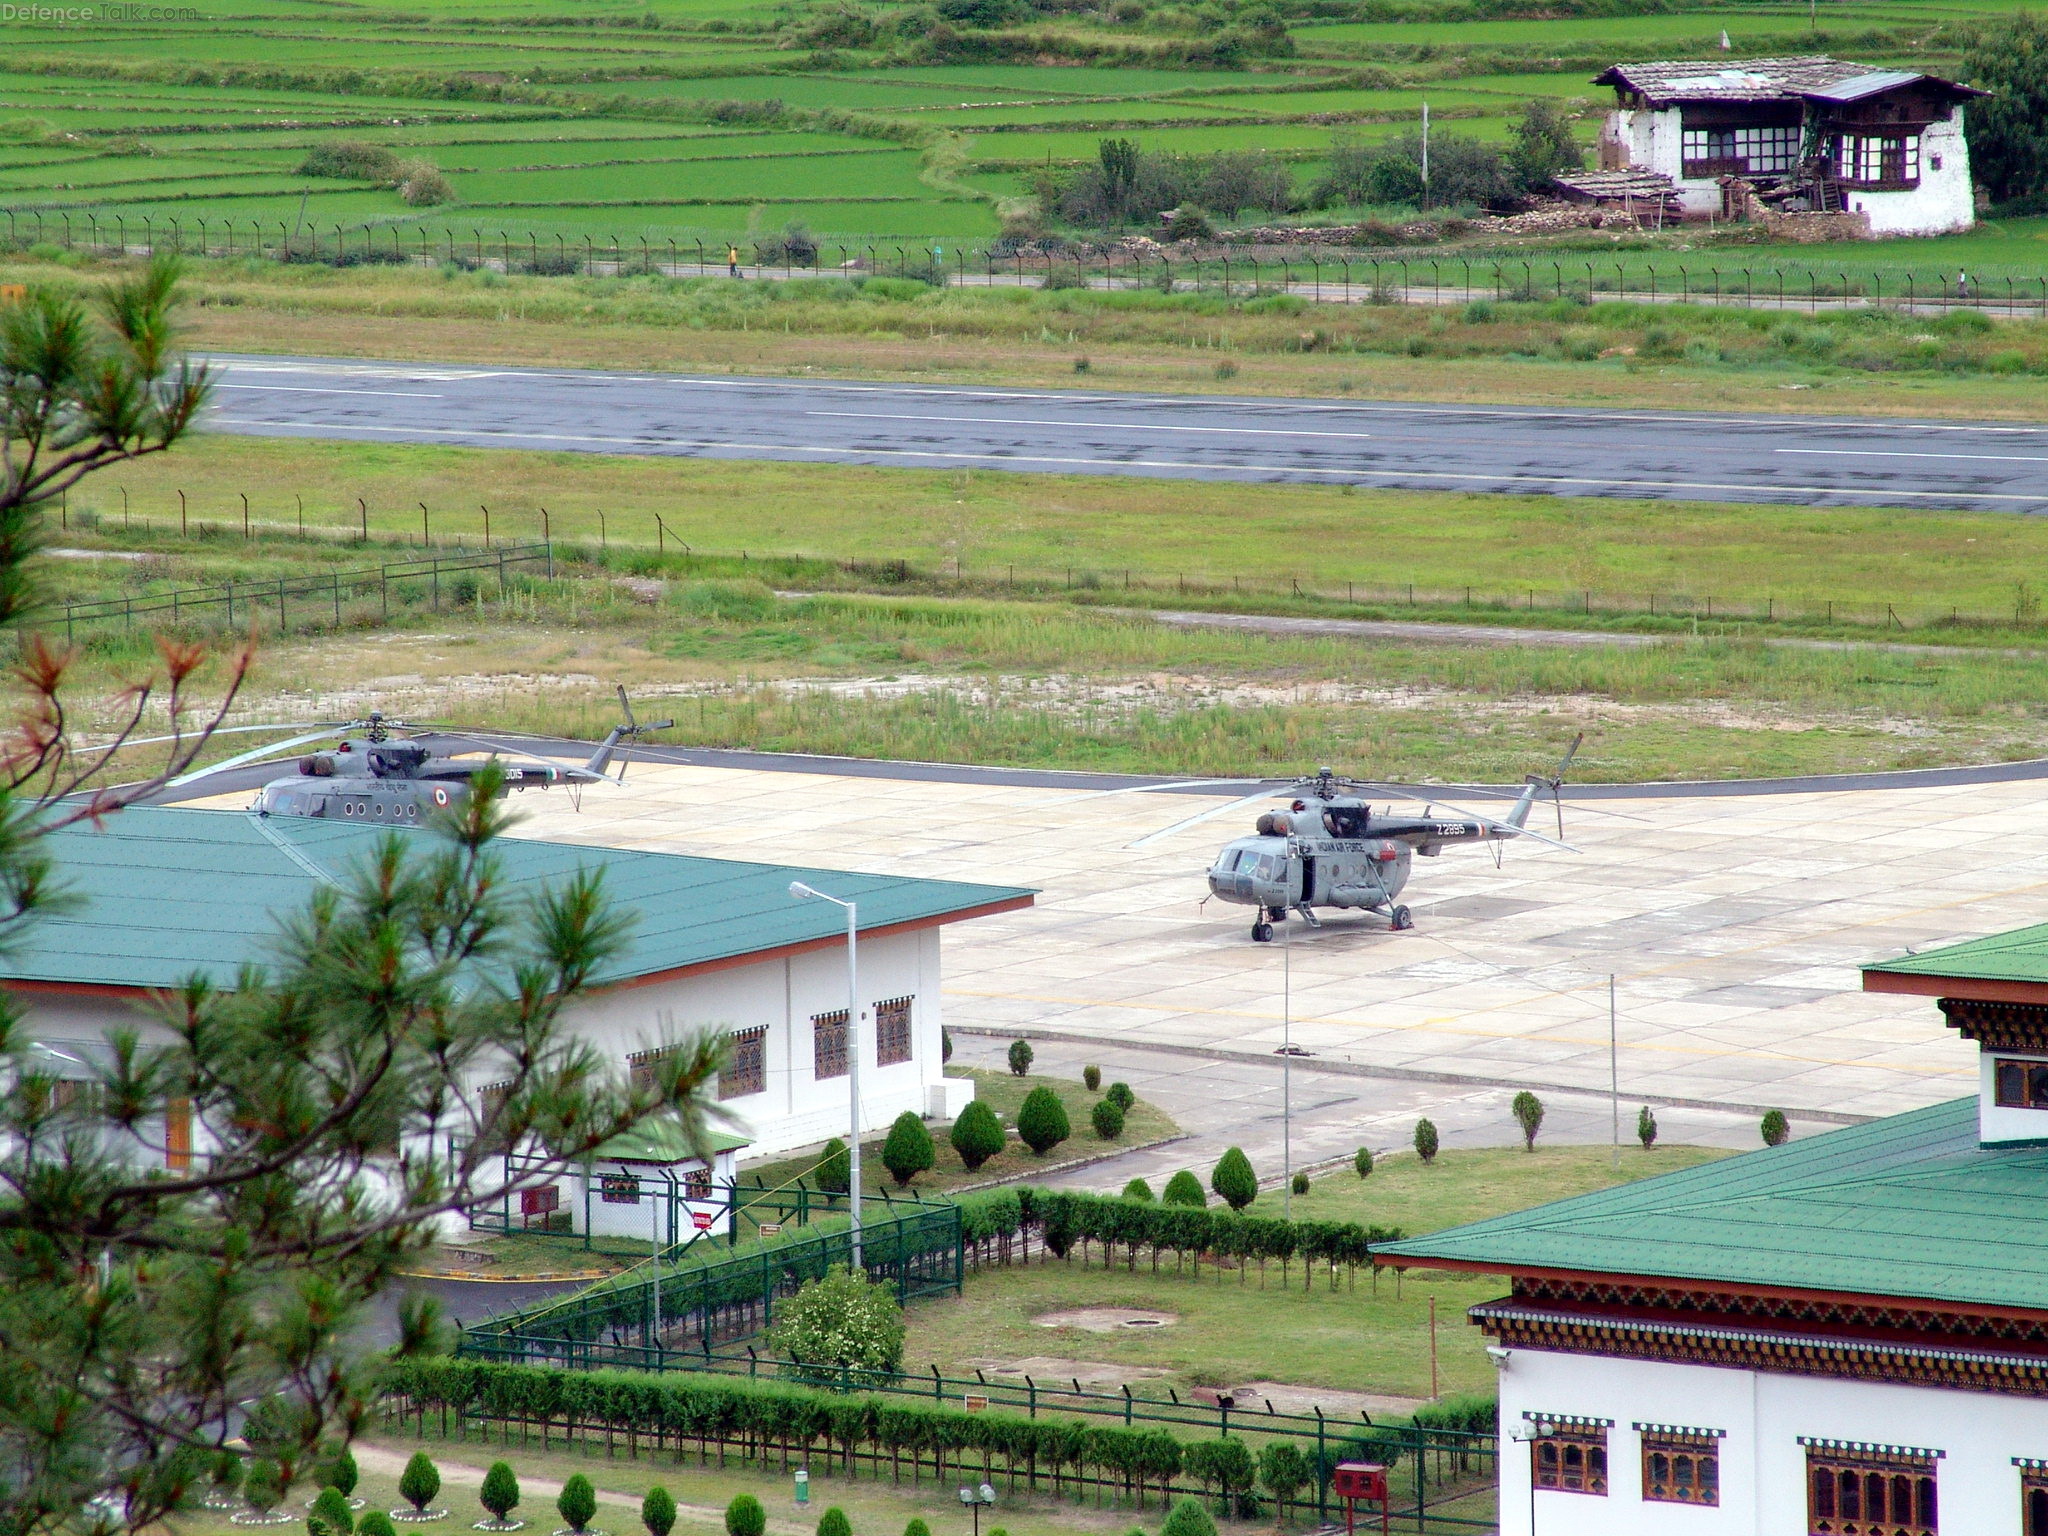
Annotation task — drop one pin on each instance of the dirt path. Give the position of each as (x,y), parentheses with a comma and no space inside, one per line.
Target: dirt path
(541,1491)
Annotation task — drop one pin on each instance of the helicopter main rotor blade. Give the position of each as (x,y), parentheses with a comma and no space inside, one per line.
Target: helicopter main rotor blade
(1210,815)
(226,730)
(253,756)
(1155,789)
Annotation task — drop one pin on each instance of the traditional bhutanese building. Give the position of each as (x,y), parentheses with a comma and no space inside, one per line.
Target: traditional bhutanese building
(1843,1336)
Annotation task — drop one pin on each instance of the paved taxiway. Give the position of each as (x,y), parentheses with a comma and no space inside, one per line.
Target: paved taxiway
(1664,454)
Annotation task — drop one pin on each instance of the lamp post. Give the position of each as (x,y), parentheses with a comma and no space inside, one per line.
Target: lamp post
(974,1499)
(799,890)
(1528,1432)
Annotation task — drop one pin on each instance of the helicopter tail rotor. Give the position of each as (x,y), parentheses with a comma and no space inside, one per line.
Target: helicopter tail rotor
(631,730)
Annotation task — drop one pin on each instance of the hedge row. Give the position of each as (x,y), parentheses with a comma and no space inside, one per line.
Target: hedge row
(1064,1218)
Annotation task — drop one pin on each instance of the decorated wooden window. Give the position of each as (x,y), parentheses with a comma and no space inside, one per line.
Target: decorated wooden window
(620,1189)
(2020,1084)
(828,1044)
(1878,160)
(1870,1490)
(1680,1465)
(1570,1455)
(644,1067)
(697,1183)
(490,1105)
(892,1032)
(746,1064)
(2033,1495)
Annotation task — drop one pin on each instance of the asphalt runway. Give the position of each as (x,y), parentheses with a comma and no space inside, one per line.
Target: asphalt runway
(1807,461)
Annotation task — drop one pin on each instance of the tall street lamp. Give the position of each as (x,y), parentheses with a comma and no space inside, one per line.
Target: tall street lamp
(1528,1432)
(974,1499)
(799,890)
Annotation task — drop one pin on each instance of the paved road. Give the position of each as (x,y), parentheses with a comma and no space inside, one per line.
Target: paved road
(1678,455)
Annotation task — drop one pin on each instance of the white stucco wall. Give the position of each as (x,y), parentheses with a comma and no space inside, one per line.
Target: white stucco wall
(1763,1465)
(1996,1125)
(1943,201)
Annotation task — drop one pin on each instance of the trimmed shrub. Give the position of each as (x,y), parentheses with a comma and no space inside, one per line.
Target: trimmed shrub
(1776,1131)
(1234,1180)
(1121,1096)
(908,1150)
(1020,1057)
(1299,1184)
(917,1528)
(1362,1161)
(744,1516)
(500,1492)
(1528,1113)
(350,160)
(834,1173)
(1042,1121)
(263,1486)
(658,1511)
(1107,1119)
(1425,1140)
(577,1502)
(1184,1189)
(420,1481)
(834,1523)
(1646,1128)
(977,1135)
(1137,1189)
(1091,1078)
(1188,1518)
(945,1045)
(376,1523)
(341,1472)
(1284,1470)
(330,1515)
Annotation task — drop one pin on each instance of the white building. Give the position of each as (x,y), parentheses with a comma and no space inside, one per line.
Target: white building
(1812,134)
(1844,1336)
(164,893)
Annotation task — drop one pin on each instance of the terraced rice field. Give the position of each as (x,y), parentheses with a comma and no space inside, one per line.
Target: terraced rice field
(712,120)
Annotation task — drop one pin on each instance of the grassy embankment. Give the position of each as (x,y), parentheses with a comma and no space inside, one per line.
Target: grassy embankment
(1371,1336)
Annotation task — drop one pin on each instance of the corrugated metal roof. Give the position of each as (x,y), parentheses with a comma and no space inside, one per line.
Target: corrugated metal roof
(1719,80)
(163,892)
(1909,1206)
(2018,955)
(1872,84)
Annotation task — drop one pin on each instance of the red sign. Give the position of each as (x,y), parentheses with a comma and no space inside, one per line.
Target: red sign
(702,1220)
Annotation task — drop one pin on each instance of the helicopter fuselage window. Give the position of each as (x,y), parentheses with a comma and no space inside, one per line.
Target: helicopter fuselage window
(1345,821)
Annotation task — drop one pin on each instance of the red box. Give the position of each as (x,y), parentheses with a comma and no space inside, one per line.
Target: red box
(1360,1480)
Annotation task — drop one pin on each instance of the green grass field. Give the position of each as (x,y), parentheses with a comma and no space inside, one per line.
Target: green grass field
(172,120)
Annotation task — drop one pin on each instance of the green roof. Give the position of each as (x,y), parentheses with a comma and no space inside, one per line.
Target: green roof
(663,1141)
(164,892)
(2020,955)
(1906,1206)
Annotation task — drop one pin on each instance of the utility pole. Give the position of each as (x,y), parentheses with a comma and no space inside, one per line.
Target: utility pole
(1425,154)
(1614,1067)
(1286,1074)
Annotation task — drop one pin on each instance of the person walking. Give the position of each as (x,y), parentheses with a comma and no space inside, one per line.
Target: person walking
(732,261)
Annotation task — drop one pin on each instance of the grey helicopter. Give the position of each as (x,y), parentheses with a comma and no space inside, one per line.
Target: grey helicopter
(370,775)
(1330,848)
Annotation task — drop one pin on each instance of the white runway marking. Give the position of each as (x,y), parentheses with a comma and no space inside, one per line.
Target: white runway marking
(1889,453)
(1116,426)
(308,389)
(1110,465)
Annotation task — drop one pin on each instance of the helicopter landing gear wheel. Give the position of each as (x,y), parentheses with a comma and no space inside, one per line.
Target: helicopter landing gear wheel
(1402,919)
(1262,932)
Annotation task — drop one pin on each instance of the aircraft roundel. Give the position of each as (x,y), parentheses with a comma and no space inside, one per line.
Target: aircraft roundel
(440,796)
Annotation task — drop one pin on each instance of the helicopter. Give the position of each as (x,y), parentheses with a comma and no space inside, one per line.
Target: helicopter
(1329,849)
(373,777)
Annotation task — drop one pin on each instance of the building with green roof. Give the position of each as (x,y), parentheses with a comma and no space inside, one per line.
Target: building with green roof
(164,893)
(1843,1336)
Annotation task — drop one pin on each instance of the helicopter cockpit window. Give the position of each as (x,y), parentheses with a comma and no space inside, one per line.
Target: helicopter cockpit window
(1346,820)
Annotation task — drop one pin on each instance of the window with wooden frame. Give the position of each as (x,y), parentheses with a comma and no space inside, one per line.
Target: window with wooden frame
(697,1183)
(1878,161)
(892,1032)
(2033,1495)
(2018,1083)
(1870,1490)
(490,1103)
(828,1044)
(643,1068)
(1680,1465)
(746,1064)
(1570,1455)
(620,1189)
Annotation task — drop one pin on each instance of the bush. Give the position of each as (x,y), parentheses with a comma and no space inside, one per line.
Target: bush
(1042,1121)
(341,1472)
(376,1523)
(834,1173)
(744,1516)
(1234,1180)
(330,1515)
(945,1045)
(1528,1113)
(796,246)
(421,185)
(1284,1470)
(1188,224)
(908,1151)
(834,1523)
(263,1486)
(842,1321)
(658,1511)
(917,1528)
(1121,1096)
(1543,146)
(1362,1161)
(1184,1189)
(1020,1055)
(1425,1140)
(977,1135)
(1061,275)
(1188,1518)
(500,1492)
(350,160)
(420,1481)
(1091,1078)
(1776,1131)
(1138,1189)
(1107,1119)
(1299,1184)
(1646,1128)
(577,1502)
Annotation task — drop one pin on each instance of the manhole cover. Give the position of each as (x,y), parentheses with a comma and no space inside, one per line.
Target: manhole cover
(1104,1319)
